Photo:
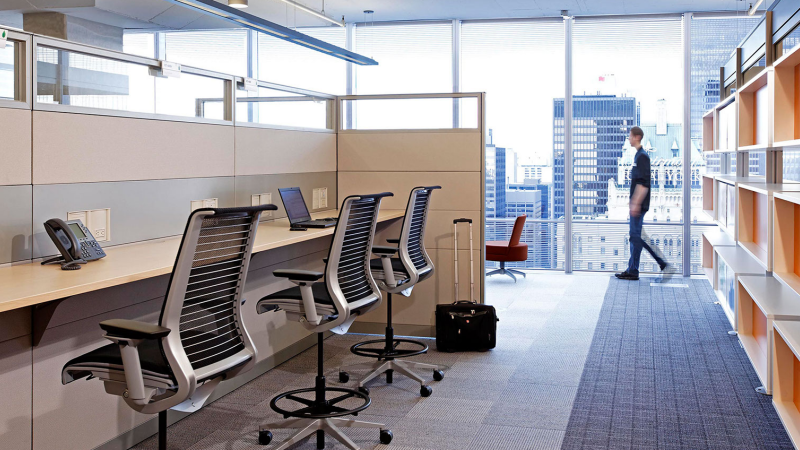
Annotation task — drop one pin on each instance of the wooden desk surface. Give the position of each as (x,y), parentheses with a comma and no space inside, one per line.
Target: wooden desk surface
(31,284)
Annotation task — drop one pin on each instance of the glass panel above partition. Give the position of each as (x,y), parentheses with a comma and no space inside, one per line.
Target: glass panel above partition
(139,44)
(284,109)
(81,80)
(222,51)
(411,112)
(8,71)
(68,78)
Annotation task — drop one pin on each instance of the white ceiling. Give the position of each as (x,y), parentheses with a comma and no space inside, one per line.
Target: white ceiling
(166,15)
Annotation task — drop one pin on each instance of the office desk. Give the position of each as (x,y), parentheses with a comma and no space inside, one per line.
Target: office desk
(43,287)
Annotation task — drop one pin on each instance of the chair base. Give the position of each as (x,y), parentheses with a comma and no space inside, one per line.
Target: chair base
(503,271)
(329,426)
(382,353)
(389,367)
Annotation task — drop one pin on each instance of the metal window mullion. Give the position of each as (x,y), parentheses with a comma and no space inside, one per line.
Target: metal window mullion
(568,21)
(252,70)
(456,71)
(687,144)
(350,88)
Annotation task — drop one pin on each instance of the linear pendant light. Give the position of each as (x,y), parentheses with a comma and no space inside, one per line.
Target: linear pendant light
(256,23)
(313,13)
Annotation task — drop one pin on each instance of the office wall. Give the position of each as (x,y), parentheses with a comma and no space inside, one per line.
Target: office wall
(147,172)
(397,161)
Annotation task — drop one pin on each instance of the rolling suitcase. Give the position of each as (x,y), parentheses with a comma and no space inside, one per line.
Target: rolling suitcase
(465,325)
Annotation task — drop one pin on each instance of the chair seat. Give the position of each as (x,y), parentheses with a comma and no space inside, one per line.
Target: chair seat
(291,300)
(108,357)
(502,251)
(376,266)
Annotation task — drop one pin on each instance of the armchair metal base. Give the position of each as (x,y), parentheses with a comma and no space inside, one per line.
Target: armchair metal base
(320,414)
(331,426)
(503,271)
(387,354)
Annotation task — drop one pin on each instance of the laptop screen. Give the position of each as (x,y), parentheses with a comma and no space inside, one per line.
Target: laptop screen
(294,204)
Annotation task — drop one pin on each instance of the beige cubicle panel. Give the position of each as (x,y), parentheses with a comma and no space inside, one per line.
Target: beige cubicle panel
(15,379)
(81,148)
(15,150)
(261,150)
(399,160)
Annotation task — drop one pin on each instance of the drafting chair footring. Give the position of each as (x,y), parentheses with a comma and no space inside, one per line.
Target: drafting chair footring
(321,414)
(386,358)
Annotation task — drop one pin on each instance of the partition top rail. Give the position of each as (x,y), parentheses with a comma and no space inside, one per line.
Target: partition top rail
(283,87)
(410,96)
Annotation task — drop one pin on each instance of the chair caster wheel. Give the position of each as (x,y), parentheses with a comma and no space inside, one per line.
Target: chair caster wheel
(364,390)
(344,377)
(438,375)
(386,437)
(425,391)
(264,437)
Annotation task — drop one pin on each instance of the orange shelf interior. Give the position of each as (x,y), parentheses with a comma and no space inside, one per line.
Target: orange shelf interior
(787,103)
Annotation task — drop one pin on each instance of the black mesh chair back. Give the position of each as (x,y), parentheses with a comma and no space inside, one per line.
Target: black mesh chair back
(347,272)
(412,251)
(205,293)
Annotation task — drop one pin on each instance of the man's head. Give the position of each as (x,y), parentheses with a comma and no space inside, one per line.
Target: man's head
(636,137)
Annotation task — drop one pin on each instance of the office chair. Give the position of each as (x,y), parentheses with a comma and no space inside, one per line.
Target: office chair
(399,275)
(508,251)
(333,304)
(200,339)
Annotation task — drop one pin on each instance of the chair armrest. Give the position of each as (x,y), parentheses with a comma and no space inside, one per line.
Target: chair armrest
(393,241)
(384,250)
(299,275)
(133,329)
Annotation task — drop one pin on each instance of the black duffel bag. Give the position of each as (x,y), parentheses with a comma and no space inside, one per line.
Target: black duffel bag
(465,326)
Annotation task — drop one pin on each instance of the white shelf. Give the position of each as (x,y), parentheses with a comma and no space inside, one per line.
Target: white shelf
(758,254)
(719,238)
(775,300)
(789,279)
(771,188)
(792,197)
(733,179)
(739,261)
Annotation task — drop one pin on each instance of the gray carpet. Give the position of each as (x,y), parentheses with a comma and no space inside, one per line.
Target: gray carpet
(516,397)
(662,373)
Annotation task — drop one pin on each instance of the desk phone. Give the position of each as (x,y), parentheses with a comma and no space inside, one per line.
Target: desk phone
(74,241)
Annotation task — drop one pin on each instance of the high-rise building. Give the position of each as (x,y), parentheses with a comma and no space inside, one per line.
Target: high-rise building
(495,179)
(601,123)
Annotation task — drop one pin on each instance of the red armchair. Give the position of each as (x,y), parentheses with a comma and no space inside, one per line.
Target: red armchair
(511,251)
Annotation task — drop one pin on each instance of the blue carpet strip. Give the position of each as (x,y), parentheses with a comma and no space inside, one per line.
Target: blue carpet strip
(663,373)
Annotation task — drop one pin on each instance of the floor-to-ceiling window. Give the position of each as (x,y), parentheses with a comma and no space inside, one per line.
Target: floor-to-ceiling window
(288,64)
(626,72)
(520,66)
(713,40)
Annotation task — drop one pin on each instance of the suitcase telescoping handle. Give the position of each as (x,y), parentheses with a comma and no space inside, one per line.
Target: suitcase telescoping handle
(471,264)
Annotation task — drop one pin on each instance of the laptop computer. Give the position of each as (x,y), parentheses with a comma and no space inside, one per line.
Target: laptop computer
(297,211)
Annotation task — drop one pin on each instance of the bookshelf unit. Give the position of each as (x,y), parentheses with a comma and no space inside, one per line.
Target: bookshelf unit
(733,263)
(786,376)
(754,111)
(786,108)
(755,218)
(711,240)
(709,131)
(763,300)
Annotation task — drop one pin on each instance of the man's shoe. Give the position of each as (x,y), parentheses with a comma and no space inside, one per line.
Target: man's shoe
(666,272)
(627,276)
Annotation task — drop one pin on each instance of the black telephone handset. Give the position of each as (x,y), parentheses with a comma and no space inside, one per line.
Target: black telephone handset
(74,241)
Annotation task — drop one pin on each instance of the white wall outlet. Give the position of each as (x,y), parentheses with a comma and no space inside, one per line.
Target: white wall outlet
(315,201)
(98,221)
(262,199)
(323,197)
(205,203)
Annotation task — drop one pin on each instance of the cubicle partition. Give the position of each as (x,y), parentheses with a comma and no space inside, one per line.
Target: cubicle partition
(131,149)
(93,133)
(397,142)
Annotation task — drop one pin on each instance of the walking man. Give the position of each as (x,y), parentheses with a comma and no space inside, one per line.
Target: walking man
(639,204)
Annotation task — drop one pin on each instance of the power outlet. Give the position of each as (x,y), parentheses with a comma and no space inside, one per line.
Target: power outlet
(98,221)
(205,203)
(262,199)
(320,199)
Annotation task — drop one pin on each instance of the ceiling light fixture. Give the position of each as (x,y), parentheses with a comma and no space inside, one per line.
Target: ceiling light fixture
(253,22)
(238,4)
(754,7)
(314,13)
